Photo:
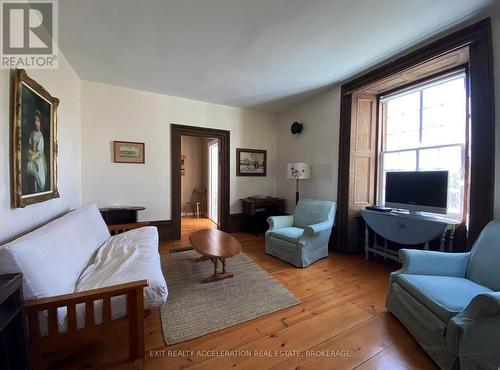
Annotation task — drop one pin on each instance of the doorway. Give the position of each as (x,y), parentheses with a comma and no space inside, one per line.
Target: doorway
(196,179)
(221,203)
(213,175)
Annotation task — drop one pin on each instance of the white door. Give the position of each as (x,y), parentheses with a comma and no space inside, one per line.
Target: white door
(213,177)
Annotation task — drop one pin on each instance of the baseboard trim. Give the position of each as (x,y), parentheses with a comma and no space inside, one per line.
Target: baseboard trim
(238,222)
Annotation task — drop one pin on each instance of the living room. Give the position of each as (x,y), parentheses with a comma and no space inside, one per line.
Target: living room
(352,186)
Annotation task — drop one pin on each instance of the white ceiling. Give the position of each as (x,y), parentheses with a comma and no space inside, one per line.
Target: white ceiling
(260,54)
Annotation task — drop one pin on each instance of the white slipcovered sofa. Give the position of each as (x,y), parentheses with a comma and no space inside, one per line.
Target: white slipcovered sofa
(75,254)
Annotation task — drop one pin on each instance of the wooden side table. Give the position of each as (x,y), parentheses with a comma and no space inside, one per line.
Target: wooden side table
(407,229)
(13,333)
(115,215)
(272,206)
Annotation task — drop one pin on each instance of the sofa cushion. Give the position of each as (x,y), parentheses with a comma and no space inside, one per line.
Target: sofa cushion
(290,234)
(312,211)
(123,258)
(127,257)
(444,296)
(53,256)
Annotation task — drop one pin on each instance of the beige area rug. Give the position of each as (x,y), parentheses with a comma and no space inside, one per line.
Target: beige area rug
(194,308)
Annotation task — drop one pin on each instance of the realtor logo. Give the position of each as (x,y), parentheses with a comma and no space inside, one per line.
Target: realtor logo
(29,34)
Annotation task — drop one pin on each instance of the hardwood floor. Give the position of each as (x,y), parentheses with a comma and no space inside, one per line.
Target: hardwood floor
(341,322)
(188,226)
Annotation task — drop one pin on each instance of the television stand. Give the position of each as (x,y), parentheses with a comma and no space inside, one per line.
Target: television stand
(406,228)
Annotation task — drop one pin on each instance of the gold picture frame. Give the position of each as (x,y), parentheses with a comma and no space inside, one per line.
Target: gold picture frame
(34,142)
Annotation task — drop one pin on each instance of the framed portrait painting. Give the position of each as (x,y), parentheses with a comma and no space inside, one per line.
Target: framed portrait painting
(34,128)
(251,162)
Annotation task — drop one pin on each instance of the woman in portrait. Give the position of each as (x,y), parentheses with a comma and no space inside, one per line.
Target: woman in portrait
(36,166)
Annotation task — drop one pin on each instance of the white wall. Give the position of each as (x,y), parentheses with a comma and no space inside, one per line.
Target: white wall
(64,84)
(115,113)
(195,163)
(317,145)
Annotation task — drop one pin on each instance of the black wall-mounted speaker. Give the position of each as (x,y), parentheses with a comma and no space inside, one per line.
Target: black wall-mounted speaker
(297,128)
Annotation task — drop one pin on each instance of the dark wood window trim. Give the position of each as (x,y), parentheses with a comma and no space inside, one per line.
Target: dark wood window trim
(482,140)
(176,131)
(427,79)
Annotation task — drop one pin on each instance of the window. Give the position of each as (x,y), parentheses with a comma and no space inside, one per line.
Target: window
(425,129)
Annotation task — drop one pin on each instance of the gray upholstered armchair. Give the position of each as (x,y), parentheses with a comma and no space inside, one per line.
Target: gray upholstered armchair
(450,302)
(302,238)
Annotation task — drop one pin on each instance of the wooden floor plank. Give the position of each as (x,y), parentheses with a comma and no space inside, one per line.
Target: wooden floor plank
(350,348)
(373,302)
(402,355)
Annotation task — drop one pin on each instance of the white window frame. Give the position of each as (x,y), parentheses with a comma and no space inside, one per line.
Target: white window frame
(420,147)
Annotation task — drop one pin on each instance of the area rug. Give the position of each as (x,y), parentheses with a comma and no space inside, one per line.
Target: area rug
(194,308)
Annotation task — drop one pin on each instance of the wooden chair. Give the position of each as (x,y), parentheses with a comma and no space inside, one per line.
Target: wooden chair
(197,200)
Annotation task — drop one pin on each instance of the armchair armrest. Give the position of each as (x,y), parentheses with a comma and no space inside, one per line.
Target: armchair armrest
(279,222)
(482,305)
(475,330)
(316,228)
(433,263)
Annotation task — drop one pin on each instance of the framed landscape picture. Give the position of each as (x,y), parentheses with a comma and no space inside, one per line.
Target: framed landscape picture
(251,162)
(34,134)
(128,152)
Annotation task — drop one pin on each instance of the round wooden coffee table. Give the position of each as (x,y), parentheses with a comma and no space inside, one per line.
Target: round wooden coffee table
(215,245)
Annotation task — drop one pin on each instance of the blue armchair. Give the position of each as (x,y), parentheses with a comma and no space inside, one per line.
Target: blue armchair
(302,238)
(450,302)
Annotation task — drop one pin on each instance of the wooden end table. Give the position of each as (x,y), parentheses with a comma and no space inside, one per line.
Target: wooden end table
(215,245)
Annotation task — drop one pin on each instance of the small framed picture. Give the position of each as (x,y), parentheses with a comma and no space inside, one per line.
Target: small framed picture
(128,152)
(183,167)
(251,162)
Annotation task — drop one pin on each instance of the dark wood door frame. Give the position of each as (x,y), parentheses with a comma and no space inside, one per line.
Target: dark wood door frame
(478,38)
(176,131)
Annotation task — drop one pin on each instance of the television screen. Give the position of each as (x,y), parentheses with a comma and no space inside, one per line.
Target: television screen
(418,190)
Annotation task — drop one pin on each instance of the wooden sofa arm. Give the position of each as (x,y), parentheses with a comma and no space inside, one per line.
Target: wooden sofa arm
(80,297)
(121,228)
(54,339)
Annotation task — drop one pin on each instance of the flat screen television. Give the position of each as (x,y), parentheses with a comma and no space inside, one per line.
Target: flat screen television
(425,191)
